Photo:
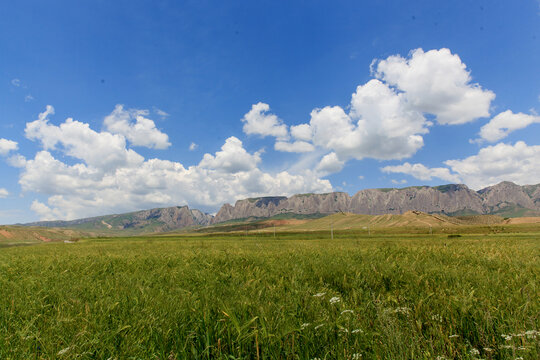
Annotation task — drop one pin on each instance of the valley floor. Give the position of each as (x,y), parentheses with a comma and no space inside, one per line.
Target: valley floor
(298,296)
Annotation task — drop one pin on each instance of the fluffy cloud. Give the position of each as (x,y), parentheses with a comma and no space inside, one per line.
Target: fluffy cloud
(139,130)
(258,122)
(436,82)
(422,172)
(16,82)
(7,146)
(75,191)
(232,158)
(296,147)
(504,123)
(330,164)
(193,146)
(3,193)
(103,150)
(387,119)
(301,132)
(518,163)
(44,212)
(379,125)
(88,187)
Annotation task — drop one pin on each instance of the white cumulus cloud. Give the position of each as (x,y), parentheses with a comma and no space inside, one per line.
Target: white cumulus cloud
(7,146)
(232,158)
(3,193)
(193,146)
(386,117)
(437,82)
(259,122)
(105,176)
(330,164)
(504,123)
(378,126)
(422,172)
(301,132)
(519,163)
(295,147)
(140,131)
(101,150)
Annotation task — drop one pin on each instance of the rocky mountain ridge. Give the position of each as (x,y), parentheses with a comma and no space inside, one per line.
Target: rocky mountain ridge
(505,198)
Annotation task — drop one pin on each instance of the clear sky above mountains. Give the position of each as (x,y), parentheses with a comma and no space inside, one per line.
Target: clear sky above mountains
(114,106)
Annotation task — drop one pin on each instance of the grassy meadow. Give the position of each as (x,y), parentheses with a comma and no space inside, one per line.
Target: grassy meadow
(299,296)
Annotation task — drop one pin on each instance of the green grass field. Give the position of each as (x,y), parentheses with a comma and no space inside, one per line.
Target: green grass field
(300,296)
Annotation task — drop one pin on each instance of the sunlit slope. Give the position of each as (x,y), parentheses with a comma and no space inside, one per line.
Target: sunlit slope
(410,219)
(346,221)
(10,235)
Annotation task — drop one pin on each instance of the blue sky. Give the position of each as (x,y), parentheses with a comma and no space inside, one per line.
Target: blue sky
(443,92)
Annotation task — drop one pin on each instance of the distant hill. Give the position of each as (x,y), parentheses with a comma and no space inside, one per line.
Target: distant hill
(18,235)
(505,199)
(145,221)
(411,222)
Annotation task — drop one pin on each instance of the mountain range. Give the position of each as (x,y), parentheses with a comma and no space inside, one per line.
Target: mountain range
(145,221)
(505,199)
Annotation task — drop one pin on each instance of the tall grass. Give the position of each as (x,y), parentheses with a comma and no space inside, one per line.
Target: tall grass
(259,298)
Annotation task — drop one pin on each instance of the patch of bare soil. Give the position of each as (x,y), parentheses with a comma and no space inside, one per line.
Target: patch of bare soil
(282,222)
(42,238)
(6,234)
(523,220)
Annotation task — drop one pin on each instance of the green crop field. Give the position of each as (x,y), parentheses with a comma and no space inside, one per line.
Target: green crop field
(299,296)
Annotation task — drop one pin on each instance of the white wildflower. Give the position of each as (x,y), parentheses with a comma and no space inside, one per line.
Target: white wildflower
(440,358)
(437,317)
(343,330)
(518,358)
(319,326)
(506,337)
(356,356)
(356,331)
(531,334)
(319,294)
(488,349)
(335,300)
(507,347)
(474,351)
(304,325)
(522,348)
(347,312)
(63,351)
(454,336)
(402,310)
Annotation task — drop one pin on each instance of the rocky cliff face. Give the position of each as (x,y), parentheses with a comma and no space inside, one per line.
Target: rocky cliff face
(273,205)
(503,198)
